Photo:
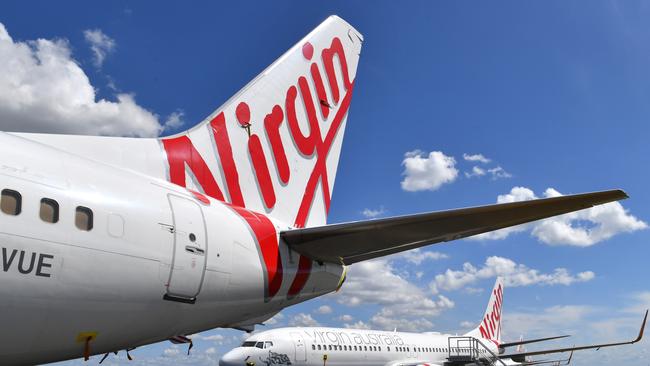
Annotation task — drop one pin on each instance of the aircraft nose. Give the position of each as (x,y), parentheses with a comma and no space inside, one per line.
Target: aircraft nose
(233,358)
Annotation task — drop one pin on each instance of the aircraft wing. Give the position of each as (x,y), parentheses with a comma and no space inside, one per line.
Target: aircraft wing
(520,357)
(353,242)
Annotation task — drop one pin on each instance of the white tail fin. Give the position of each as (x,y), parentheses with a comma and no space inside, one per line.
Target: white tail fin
(490,327)
(274,146)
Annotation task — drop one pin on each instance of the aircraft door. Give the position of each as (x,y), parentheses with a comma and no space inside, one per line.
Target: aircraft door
(301,350)
(190,245)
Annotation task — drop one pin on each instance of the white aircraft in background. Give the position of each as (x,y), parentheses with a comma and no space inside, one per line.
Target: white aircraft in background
(317,346)
(110,243)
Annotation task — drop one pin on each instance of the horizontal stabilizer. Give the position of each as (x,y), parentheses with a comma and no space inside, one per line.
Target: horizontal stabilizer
(358,241)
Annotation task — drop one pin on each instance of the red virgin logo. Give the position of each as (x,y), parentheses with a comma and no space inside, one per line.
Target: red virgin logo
(490,328)
(181,153)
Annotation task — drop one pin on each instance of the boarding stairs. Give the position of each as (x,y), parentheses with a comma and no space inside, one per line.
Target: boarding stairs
(470,351)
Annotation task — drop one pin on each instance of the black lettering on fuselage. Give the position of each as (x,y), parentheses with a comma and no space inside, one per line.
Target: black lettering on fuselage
(22,261)
(6,261)
(27,262)
(42,264)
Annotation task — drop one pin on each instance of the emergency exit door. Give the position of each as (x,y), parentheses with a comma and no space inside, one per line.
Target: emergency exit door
(190,250)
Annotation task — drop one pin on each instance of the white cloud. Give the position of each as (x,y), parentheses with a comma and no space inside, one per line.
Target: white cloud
(346,318)
(495,173)
(210,351)
(100,44)
(357,325)
(642,303)
(216,338)
(303,320)
(43,89)
(324,309)
(581,228)
(473,290)
(172,351)
(174,120)
(386,319)
(514,275)
(476,157)
(371,213)
(467,325)
(408,305)
(560,319)
(476,172)
(275,320)
(417,256)
(498,173)
(422,173)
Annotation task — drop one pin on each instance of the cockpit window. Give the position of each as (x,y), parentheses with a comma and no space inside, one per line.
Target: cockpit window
(248,344)
(259,344)
(268,344)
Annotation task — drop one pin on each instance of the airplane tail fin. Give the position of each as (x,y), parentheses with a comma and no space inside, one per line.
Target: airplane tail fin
(490,327)
(274,146)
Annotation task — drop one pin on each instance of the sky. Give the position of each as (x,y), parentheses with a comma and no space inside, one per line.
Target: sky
(456,104)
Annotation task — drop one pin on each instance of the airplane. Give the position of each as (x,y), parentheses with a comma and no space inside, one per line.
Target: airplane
(110,243)
(320,346)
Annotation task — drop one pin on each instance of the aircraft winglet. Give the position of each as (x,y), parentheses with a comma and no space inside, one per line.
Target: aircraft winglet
(645,319)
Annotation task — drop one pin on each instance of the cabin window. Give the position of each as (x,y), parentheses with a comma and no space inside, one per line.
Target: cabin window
(11,202)
(313,347)
(319,347)
(83,218)
(49,211)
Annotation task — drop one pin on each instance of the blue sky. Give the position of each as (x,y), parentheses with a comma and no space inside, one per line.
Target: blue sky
(554,93)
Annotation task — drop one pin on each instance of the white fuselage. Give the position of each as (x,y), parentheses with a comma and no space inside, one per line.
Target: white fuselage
(341,346)
(61,285)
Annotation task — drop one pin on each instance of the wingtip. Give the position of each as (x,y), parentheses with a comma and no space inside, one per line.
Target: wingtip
(619,194)
(623,194)
(645,319)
